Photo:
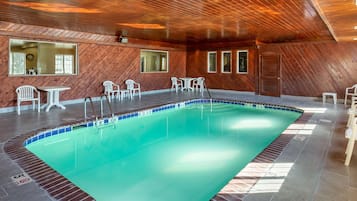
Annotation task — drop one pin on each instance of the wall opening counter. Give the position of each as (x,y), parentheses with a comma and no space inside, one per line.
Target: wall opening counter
(32,58)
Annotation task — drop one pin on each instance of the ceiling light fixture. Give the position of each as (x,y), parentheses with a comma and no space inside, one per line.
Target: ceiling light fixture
(354,38)
(54,7)
(123,39)
(143,25)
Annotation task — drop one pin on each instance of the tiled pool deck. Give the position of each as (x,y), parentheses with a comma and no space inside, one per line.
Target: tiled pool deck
(310,166)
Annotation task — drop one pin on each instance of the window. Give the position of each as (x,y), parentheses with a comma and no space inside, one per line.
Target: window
(153,61)
(226,62)
(30,57)
(18,61)
(242,61)
(212,62)
(64,64)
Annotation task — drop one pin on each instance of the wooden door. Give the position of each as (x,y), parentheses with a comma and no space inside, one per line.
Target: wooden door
(269,74)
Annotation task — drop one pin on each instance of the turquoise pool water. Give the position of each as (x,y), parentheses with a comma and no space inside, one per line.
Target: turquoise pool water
(179,154)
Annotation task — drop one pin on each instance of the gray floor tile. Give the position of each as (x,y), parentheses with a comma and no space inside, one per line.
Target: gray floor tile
(28,191)
(287,193)
(333,185)
(3,193)
(258,197)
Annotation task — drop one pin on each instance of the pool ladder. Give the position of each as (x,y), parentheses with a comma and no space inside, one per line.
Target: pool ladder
(88,98)
(209,94)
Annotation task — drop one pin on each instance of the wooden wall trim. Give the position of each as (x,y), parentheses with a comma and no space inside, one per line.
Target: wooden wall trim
(222,45)
(323,18)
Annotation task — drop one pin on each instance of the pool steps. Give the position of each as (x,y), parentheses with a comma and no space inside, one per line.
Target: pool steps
(106,121)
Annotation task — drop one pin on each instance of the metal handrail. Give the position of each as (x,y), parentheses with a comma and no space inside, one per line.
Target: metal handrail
(208,92)
(109,105)
(85,108)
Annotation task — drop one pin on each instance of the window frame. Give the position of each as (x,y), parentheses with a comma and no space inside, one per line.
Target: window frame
(208,62)
(143,61)
(14,41)
(230,61)
(63,63)
(238,63)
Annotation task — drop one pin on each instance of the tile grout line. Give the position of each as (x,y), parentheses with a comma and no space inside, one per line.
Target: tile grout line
(4,190)
(332,132)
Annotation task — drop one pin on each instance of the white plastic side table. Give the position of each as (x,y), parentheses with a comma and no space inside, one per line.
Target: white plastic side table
(325,94)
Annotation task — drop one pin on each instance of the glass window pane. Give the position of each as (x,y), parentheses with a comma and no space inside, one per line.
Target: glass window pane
(226,62)
(58,64)
(64,64)
(242,61)
(19,64)
(212,61)
(68,64)
(42,58)
(154,61)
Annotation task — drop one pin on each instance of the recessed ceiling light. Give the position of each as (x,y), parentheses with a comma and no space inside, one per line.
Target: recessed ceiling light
(143,25)
(54,7)
(354,38)
(355,27)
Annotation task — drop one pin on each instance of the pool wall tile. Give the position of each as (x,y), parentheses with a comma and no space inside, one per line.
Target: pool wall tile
(148,112)
(61,130)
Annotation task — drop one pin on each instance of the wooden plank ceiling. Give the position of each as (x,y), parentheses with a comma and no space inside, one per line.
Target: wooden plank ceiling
(341,16)
(181,21)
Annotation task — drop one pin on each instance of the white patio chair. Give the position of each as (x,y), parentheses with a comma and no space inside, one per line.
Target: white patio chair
(113,90)
(351,134)
(133,88)
(350,91)
(352,112)
(199,83)
(176,83)
(28,93)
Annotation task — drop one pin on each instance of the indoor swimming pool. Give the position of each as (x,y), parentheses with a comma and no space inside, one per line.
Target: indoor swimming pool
(184,151)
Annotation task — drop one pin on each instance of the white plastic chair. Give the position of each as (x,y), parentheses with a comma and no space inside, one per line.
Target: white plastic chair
(199,83)
(351,131)
(133,88)
(176,83)
(352,112)
(350,91)
(28,93)
(113,90)
(351,134)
